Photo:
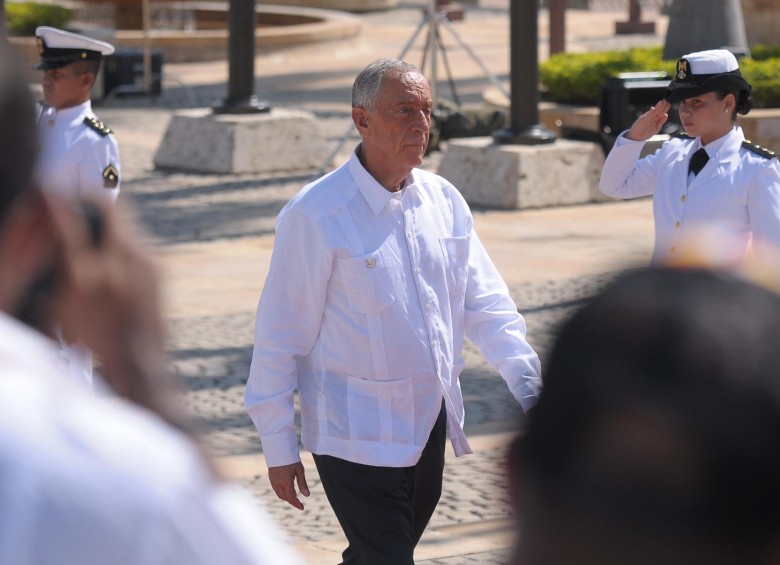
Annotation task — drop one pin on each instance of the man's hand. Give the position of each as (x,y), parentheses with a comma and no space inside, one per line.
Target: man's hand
(649,123)
(283,479)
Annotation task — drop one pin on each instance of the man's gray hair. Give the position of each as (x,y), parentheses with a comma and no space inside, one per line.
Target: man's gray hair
(367,85)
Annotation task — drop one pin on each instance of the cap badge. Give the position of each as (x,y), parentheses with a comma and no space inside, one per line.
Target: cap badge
(682,69)
(40,45)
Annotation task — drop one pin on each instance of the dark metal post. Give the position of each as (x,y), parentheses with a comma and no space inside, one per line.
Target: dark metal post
(241,98)
(524,127)
(3,30)
(557,11)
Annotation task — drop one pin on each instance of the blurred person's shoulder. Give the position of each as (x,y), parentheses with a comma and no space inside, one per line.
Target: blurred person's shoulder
(94,474)
(41,409)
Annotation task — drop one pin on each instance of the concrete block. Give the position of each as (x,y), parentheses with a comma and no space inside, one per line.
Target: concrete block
(523,176)
(200,141)
(762,126)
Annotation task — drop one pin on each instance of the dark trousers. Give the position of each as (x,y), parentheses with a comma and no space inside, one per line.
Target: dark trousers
(384,510)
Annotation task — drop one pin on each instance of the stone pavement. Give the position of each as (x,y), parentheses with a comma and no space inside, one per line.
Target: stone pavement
(213,237)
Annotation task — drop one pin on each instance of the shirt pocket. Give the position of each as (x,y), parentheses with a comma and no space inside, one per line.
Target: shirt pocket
(368,281)
(371,406)
(456,259)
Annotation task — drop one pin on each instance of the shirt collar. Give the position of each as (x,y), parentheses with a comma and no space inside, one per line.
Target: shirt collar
(713,147)
(73,111)
(375,194)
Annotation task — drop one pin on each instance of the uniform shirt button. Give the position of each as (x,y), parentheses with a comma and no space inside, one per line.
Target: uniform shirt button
(51,123)
(677,225)
(417,270)
(682,198)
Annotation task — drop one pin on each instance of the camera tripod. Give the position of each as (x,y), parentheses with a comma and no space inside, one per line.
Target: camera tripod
(432,20)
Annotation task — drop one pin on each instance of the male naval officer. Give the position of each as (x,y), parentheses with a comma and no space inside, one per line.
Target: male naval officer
(78,158)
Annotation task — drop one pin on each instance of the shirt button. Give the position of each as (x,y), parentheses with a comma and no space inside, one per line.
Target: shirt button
(682,198)
(51,123)
(417,270)
(677,225)
(409,234)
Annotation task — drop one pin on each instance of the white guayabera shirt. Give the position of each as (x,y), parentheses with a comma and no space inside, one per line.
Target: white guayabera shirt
(367,301)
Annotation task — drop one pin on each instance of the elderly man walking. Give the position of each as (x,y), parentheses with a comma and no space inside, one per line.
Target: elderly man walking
(377,276)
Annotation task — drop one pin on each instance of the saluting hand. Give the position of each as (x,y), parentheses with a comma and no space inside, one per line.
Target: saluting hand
(649,123)
(283,479)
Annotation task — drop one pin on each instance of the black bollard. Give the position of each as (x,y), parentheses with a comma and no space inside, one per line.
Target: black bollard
(241,97)
(524,127)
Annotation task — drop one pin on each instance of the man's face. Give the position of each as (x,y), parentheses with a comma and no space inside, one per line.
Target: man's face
(397,131)
(65,87)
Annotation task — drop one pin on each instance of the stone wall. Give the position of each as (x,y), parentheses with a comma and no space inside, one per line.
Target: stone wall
(762,20)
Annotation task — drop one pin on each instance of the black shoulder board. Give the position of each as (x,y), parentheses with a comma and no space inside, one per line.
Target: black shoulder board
(763,151)
(682,135)
(97,125)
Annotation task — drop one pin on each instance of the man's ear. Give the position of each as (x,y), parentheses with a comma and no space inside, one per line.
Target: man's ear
(360,117)
(87,80)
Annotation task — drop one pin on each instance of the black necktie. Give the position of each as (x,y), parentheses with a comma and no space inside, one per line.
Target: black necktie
(698,161)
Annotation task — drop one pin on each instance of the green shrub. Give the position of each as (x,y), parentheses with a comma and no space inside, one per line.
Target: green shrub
(577,78)
(23,17)
(761,52)
(764,75)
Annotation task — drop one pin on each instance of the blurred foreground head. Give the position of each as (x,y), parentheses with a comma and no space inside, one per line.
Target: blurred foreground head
(26,241)
(656,436)
(17,134)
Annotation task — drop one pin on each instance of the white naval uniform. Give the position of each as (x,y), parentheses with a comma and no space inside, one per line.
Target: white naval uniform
(736,196)
(75,158)
(76,161)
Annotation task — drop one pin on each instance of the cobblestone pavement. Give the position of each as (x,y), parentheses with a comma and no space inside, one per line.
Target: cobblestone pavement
(211,352)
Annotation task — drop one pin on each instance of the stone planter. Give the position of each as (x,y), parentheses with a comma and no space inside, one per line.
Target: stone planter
(278,27)
(128,12)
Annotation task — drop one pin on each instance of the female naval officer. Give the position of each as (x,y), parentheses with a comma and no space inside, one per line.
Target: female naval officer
(714,193)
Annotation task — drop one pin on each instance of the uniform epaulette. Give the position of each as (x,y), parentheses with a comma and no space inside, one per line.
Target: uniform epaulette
(97,125)
(763,151)
(682,135)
